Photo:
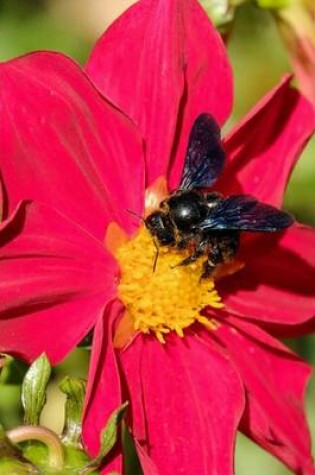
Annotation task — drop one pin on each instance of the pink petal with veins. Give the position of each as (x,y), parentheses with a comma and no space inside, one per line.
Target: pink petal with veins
(276,285)
(62,144)
(275,381)
(55,278)
(180,70)
(191,398)
(103,394)
(263,149)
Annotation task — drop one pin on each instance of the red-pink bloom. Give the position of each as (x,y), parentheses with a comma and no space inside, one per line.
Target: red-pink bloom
(80,162)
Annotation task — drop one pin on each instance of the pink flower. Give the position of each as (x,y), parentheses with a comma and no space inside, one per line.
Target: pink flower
(71,151)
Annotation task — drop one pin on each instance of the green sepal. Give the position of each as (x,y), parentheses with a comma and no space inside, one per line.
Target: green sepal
(6,448)
(74,389)
(110,433)
(14,467)
(75,459)
(12,460)
(34,389)
(109,436)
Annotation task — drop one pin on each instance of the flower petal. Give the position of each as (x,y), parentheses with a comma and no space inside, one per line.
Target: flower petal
(2,199)
(264,147)
(62,144)
(275,381)
(277,284)
(191,416)
(208,83)
(158,61)
(55,277)
(148,467)
(103,394)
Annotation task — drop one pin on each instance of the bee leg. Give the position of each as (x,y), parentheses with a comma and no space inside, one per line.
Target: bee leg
(214,257)
(197,251)
(156,255)
(207,270)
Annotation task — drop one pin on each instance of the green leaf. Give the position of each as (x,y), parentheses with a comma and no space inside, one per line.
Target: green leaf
(12,371)
(34,389)
(2,360)
(74,389)
(273,4)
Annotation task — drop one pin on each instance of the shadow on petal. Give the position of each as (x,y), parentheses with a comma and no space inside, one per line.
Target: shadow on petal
(277,282)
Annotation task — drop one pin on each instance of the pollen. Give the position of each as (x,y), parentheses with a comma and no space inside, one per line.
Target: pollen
(163,298)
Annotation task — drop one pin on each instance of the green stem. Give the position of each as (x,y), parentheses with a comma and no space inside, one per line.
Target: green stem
(46,436)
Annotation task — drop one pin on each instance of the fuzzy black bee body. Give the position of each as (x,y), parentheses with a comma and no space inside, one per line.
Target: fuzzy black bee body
(207,223)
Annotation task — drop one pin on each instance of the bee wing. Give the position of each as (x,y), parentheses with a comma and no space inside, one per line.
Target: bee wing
(245,213)
(205,156)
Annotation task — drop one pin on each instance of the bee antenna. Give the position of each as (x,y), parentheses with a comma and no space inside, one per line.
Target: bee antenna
(154,242)
(156,255)
(133,213)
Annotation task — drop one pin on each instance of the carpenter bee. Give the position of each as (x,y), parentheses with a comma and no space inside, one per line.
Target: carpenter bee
(206,223)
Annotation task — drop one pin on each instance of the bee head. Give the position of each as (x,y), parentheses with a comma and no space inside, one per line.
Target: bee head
(161,227)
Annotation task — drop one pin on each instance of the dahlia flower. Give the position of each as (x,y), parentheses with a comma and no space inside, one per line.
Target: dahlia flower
(83,153)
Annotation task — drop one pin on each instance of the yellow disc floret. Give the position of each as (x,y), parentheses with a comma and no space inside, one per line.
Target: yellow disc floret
(168,298)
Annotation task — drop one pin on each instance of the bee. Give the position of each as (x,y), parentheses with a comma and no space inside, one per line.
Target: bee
(204,222)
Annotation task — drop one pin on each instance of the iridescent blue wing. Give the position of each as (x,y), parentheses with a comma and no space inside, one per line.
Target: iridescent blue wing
(205,156)
(245,213)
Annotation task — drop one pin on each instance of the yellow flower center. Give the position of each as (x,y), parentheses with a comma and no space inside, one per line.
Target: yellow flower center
(168,298)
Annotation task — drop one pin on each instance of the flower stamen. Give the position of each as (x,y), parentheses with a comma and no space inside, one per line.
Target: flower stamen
(168,299)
